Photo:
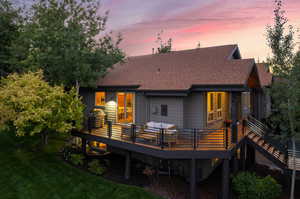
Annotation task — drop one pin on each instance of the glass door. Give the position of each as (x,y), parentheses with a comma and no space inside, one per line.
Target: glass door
(125,107)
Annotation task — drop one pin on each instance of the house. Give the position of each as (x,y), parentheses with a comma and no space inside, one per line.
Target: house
(186,107)
(190,88)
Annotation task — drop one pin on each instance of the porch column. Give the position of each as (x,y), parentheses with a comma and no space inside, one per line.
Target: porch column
(234,115)
(225,179)
(235,163)
(193,168)
(83,145)
(250,157)
(127,165)
(242,155)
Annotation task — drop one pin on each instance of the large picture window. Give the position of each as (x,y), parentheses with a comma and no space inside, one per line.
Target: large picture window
(100,99)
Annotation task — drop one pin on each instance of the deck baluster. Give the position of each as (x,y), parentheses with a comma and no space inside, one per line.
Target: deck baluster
(133,133)
(226,140)
(195,139)
(162,131)
(109,128)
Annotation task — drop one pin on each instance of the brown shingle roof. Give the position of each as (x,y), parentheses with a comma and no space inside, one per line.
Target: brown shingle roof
(179,70)
(265,77)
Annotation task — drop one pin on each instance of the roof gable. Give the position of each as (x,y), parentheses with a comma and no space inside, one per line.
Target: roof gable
(265,77)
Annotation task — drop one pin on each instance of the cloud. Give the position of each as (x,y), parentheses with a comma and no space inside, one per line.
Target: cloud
(190,21)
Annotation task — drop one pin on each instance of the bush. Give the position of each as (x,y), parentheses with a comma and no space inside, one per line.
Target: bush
(77,159)
(96,168)
(268,188)
(249,186)
(244,185)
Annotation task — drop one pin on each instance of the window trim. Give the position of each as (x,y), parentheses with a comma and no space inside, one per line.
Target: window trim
(164,107)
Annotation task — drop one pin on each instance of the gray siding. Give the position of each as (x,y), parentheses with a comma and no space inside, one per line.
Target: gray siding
(175,110)
(111,106)
(194,111)
(141,109)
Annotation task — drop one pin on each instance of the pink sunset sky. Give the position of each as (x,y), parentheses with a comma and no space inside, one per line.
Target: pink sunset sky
(187,22)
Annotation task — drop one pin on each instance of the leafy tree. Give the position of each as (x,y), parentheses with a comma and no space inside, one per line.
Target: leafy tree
(31,106)
(284,91)
(164,46)
(63,39)
(10,20)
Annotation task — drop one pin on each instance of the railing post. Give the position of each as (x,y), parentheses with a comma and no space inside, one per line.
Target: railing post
(226,138)
(109,128)
(133,133)
(194,139)
(244,126)
(162,138)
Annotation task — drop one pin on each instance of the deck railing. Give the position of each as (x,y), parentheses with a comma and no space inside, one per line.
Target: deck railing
(168,139)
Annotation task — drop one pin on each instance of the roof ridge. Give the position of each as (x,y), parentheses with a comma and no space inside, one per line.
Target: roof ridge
(179,51)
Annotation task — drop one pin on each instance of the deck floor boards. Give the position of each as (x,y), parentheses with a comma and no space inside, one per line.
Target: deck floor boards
(213,140)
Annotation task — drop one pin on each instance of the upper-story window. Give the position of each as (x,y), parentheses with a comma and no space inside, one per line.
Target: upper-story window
(100,99)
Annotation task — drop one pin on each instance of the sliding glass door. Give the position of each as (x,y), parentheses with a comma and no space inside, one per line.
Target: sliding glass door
(125,107)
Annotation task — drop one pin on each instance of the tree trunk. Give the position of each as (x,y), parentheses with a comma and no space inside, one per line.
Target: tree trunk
(77,87)
(294,169)
(45,137)
(292,126)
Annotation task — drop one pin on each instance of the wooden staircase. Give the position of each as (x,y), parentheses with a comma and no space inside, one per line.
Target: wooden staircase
(267,148)
(271,148)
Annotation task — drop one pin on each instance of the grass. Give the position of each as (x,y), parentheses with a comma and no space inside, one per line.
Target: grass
(42,174)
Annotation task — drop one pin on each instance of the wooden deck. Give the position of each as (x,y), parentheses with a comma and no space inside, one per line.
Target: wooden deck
(181,140)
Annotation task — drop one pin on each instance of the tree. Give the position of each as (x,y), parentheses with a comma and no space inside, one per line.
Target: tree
(284,91)
(31,106)
(164,46)
(10,20)
(61,39)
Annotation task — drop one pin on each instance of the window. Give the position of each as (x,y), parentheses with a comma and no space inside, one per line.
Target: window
(164,110)
(125,107)
(219,100)
(215,105)
(100,99)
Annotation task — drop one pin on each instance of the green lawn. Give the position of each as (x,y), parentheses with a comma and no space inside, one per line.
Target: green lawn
(36,175)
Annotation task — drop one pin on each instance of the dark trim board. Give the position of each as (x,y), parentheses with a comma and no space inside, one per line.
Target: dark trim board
(229,88)
(158,153)
(116,88)
(194,88)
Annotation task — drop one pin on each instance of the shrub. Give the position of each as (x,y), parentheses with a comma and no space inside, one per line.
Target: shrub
(244,185)
(249,186)
(268,188)
(32,106)
(77,159)
(96,168)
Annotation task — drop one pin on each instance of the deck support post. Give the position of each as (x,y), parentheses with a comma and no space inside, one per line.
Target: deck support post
(234,116)
(235,163)
(193,174)
(225,179)
(83,145)
(242,155)
(127,165)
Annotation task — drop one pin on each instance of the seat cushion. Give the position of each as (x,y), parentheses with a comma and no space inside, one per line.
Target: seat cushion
(159,125)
